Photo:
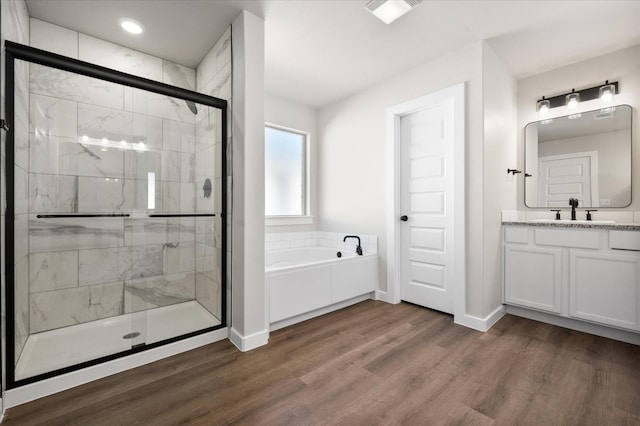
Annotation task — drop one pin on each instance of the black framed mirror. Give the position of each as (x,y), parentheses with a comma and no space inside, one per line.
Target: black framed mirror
(584,155)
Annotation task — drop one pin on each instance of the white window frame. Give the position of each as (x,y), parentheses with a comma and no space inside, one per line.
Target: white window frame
(305,218)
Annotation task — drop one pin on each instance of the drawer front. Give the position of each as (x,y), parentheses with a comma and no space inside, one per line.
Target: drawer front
(589,239)
(516,235)
(624,240)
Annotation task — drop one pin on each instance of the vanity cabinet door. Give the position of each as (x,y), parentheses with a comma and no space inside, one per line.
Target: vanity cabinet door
(604,288)
(533,277)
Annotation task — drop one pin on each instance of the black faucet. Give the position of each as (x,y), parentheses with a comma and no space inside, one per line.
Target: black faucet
(358,248)
(573,202)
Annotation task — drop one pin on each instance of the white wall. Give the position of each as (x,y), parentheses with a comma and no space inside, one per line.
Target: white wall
(622,66)
(352,171)
(283,112)
(249,325)
(499,188)
(352,174)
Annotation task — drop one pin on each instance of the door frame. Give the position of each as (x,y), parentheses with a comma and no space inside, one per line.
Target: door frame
(457,273)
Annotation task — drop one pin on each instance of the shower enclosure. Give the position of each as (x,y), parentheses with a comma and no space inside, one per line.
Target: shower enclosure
(115,223)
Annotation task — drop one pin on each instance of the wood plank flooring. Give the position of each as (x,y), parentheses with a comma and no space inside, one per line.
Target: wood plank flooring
(372,363)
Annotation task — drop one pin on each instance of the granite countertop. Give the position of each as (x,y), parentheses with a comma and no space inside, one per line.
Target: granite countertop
(577,224)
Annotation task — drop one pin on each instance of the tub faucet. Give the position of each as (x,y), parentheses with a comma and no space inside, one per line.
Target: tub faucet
(358,248)
(573,202)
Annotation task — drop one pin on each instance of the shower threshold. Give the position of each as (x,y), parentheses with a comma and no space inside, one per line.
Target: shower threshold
(64,347)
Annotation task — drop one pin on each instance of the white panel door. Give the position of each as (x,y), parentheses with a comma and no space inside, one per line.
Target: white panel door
(563,177)
(426,139)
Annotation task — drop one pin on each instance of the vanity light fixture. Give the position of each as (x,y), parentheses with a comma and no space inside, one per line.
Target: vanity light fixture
(390,10)
(131,25)
(604,92)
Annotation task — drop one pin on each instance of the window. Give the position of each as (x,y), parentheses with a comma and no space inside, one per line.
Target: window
(285,172)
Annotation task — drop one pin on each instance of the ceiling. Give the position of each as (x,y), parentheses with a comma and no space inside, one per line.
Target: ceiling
(319,51)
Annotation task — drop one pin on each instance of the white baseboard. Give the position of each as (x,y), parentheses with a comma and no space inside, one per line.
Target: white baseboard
(30,392)
(252,341)
(308,315)
(578,325)
(480,324)
(384,296)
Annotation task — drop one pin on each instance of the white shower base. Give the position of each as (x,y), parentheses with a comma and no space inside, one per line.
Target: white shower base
(63,347)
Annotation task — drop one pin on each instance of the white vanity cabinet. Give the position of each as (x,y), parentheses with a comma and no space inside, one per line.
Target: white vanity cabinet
(588,274)
(603,287)
(534,277)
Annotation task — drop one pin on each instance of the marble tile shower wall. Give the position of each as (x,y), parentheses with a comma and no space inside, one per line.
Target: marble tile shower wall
(213,78)
(83,269)
(15,27)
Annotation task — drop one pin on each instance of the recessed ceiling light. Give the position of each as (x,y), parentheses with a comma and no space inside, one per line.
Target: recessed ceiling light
(390,10)
(131,25)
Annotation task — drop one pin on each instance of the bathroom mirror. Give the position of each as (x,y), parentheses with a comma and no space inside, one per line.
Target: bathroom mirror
(585,156)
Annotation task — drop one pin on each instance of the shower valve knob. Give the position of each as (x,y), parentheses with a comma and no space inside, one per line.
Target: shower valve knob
(404,218)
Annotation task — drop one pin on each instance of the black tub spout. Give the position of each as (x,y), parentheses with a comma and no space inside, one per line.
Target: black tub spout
(359,247)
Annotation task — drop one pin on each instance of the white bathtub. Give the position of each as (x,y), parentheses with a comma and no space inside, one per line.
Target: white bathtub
(287,258)
(308,281)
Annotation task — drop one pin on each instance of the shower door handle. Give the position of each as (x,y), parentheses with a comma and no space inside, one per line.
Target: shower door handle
(404,218)
(182,215)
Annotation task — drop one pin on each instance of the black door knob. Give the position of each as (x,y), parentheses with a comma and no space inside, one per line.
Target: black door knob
(404,218)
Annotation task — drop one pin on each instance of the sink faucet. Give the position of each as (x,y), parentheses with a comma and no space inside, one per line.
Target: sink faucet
(358,248)
(573,202)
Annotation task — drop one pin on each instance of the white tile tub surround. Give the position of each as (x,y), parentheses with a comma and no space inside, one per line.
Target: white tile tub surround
(285,240)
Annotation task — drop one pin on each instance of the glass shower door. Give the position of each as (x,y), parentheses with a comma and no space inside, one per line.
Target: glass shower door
(117,220)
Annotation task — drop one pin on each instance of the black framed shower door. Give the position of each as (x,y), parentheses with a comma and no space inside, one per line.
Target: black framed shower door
(116,214)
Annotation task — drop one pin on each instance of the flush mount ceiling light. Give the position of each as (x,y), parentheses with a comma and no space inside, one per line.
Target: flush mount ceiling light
(605,93)
(131,25)
(390,10)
